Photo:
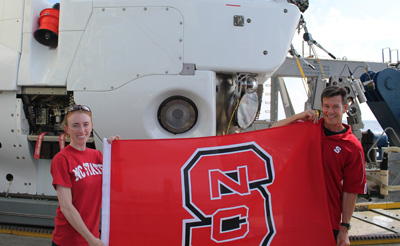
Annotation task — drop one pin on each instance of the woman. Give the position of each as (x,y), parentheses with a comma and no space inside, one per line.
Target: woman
(77,177)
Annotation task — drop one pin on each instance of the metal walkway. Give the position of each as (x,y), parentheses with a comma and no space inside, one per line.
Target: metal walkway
(15,235)
(374,224)
(18,240)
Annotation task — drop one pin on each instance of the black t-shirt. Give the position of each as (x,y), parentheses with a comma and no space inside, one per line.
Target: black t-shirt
(331,133)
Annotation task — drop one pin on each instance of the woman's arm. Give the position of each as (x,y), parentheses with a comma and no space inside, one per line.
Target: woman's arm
(64,195)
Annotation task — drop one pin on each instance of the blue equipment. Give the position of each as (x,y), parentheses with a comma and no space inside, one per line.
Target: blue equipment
(382,90)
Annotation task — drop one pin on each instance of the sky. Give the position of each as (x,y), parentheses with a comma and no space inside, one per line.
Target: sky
(353,29)
(356,29)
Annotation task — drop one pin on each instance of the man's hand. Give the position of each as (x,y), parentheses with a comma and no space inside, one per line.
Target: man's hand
(343,237)
(308,115)
(348,204)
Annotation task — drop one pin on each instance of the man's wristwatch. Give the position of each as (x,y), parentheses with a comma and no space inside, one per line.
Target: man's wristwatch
(348,226)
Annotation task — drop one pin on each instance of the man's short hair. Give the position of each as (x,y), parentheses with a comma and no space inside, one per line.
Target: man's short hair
(334,90)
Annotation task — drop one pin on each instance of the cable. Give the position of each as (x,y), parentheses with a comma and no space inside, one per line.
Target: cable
(233,113)
(344,68)
(358,68)
(319,62)
(97,135)
(350,72)
(366,72)
(293,52)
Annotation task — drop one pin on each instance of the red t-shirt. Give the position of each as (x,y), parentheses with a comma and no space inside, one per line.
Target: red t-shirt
(82,172)
(344,170)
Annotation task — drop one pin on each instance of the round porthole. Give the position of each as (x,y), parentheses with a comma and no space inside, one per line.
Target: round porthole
(9,177)
(177,114)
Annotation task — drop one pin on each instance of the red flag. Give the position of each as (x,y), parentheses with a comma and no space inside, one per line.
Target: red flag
(258,188)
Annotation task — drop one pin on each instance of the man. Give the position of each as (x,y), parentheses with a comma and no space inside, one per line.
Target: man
(342,158)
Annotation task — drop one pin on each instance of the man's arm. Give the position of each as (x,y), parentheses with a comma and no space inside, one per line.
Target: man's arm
(348,204)
(308,115)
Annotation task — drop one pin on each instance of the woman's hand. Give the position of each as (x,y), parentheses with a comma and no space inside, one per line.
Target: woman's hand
(97,242)
(111,139)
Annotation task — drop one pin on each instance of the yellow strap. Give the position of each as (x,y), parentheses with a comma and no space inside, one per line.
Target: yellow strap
(304,77)
(300,68)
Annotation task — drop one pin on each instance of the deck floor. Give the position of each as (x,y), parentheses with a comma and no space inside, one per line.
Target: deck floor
(18,240)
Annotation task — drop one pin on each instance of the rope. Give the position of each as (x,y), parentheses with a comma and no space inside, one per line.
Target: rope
(319,62)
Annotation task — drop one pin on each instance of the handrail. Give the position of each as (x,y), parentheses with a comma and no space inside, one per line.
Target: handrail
(376,142)
(390,54)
